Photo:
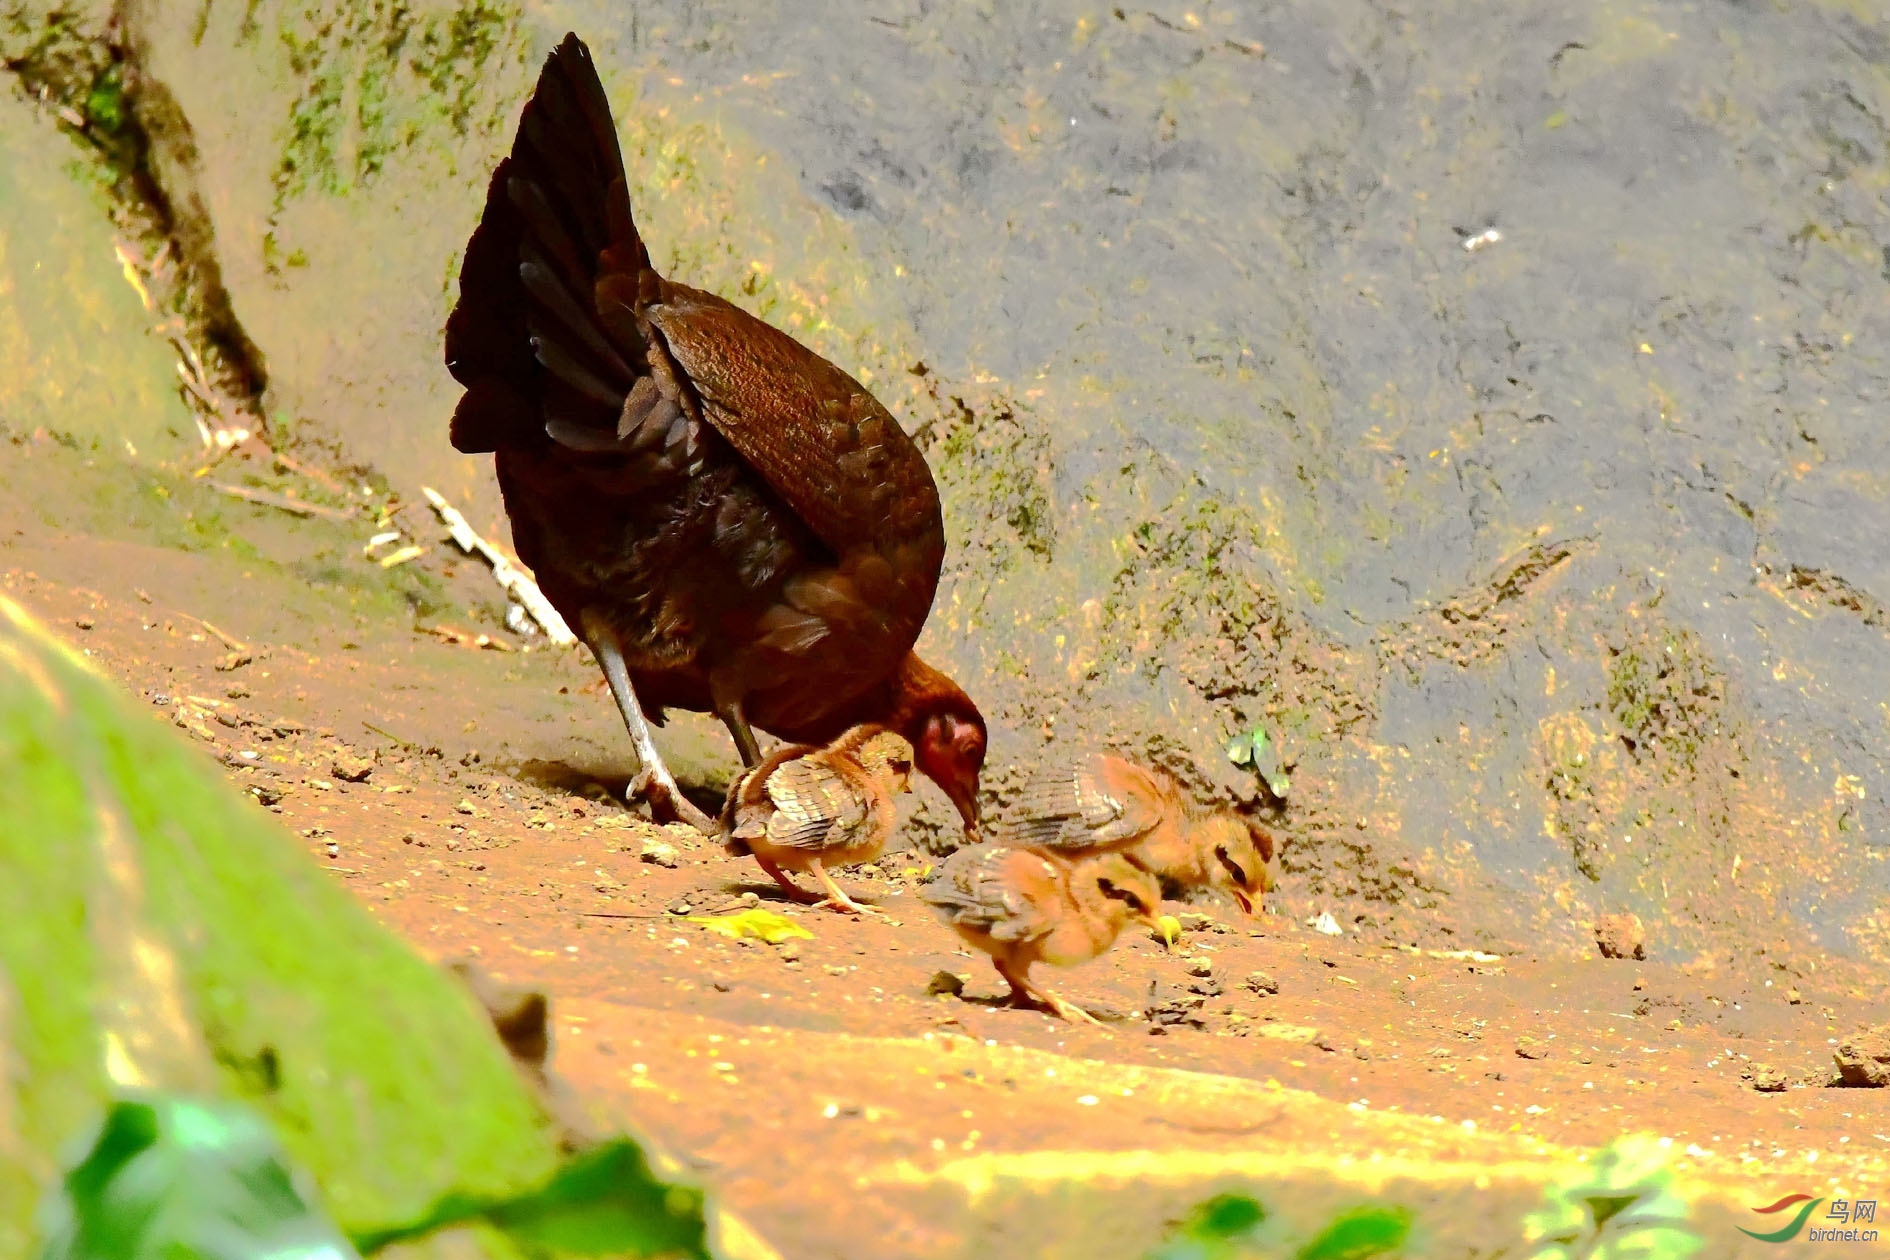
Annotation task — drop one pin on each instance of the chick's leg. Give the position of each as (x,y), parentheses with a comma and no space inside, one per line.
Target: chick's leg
(653,782)
(837,898)
(1068,1010)
(1024,993)
(1020,986)
(779,876)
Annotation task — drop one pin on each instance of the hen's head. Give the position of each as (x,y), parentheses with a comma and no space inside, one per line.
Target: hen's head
(948,748)
(947,734)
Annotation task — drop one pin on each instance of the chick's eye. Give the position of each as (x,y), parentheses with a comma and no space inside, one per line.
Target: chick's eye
(1233,867)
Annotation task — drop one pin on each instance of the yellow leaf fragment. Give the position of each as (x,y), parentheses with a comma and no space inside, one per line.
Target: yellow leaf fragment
(764,924)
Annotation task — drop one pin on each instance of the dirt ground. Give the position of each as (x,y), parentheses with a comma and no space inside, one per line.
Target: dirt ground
(466,797)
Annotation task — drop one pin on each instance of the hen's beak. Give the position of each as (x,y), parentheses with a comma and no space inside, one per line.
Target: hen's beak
(965,797)
(1246,903)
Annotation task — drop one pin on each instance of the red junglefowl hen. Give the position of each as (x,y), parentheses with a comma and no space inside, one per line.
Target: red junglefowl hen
(806,809)
(1024,906)
(1101,802)
(731,523)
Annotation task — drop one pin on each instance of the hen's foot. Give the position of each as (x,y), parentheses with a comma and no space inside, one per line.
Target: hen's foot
(666,801)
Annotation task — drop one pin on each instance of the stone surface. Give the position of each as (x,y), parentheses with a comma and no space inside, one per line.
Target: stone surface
(1621,936)
(1863,1058)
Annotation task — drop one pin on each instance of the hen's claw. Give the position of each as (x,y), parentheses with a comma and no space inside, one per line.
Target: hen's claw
(666,801)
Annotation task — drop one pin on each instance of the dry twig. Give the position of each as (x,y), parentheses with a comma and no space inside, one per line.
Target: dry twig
(514,579)
(295,506)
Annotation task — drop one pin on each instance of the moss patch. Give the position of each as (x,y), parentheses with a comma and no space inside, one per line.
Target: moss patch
(77,357)
(155,929)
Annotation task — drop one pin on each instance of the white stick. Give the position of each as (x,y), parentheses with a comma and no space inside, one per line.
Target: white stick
(520,587)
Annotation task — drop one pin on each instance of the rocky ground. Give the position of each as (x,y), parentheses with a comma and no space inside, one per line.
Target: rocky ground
(466,795)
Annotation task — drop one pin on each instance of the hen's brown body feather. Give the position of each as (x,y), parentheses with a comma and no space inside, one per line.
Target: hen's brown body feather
(747,525)
(744,515)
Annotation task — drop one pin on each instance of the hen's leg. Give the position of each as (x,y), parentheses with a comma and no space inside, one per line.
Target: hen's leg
(730,712)
(653,783)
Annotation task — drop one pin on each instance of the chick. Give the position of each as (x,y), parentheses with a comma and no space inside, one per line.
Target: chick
(1217,849)
(1101,802)
(1091,804)
(804,808)
(1024,906)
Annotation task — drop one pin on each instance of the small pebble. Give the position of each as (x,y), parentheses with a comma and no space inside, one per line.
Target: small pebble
(352,768)
(1198,966)
(944,982)
(1261,982)
(660,853)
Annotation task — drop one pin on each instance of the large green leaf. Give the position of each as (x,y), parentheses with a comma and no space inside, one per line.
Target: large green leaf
(605,1202)
(171,1178)
(179,1179)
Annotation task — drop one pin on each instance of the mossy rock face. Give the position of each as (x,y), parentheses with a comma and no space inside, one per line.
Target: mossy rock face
(77,358)
(157,930)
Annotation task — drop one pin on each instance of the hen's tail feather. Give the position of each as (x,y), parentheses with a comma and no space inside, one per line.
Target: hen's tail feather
(527,338)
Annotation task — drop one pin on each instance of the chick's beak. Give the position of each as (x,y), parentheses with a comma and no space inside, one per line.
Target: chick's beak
(1155,925)
(1246,902)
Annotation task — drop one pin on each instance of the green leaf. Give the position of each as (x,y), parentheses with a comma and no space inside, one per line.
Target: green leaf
(604,1202)
(1228,1216)
(1215,1230)
(1258,749)
(1359,1234)
(105,102)
(158,932)
(1620,1205)
(168,1178)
